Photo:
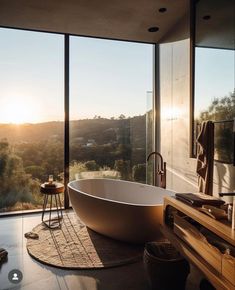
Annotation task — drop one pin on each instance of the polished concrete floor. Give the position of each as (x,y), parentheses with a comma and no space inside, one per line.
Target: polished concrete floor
(37,276)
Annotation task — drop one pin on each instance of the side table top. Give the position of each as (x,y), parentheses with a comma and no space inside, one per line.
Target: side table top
(59,188)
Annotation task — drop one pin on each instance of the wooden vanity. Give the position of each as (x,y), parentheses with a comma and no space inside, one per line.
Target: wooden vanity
(199,238)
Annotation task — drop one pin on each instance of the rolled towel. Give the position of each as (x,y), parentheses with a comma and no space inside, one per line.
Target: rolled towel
(31,235)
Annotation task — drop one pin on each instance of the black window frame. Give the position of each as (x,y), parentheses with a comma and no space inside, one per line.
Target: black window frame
(66,106)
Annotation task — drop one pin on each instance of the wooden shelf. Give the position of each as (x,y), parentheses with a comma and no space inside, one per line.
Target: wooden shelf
(184,237)
(222,229)
(218,281)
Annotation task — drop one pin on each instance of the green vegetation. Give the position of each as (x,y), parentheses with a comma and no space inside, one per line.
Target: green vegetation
(123,166)
(115,148)
(139,172)
(16,186)
(222,109)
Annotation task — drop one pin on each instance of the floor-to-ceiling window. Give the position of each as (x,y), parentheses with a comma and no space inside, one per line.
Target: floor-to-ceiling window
(31,115)
(111,112)
(110,108)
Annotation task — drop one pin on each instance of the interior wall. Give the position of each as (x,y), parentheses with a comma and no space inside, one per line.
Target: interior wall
(175,105)
(175,123)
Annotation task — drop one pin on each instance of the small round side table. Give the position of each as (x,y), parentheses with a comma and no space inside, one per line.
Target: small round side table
(50,192)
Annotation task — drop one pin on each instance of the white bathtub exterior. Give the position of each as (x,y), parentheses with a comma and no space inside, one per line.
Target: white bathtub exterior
(122,210)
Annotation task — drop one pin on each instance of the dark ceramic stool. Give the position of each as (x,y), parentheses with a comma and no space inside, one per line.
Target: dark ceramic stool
(166,269)
(206,285)
(49,192)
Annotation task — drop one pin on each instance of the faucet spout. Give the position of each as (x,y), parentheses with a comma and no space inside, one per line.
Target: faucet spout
(227,194)
(158,154)
(160,172)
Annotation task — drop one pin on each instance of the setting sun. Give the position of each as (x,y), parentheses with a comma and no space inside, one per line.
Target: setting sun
(18,112)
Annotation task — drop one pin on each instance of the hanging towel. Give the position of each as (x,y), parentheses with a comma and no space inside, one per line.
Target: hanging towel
(205,157)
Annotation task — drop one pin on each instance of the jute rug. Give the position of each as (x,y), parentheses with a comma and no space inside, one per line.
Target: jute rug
(74,246)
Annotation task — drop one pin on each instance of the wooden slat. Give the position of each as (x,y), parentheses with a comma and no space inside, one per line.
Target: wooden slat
(198,242)
(222,229)
(218,281)
(228,268)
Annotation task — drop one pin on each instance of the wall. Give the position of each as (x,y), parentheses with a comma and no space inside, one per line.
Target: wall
(175,122)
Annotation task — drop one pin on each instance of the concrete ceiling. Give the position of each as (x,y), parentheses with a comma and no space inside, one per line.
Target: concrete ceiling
(115,19)
(219,30)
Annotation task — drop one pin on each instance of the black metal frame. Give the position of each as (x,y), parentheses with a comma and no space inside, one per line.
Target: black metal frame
(66,106)
(192,76)
(74,34)
(66,120)
(157,99)
(156,107)
(8,214)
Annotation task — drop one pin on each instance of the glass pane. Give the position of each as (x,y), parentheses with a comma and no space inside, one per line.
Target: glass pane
(214,89)
(215,73)
(31,116)
(224,141)
(109,85)
(215,97)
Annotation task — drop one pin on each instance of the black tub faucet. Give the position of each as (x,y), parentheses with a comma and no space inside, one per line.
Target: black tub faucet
(161,169)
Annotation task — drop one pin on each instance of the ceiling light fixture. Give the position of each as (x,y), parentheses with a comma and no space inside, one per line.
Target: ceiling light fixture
(153,29)
(206,17)
(162,10)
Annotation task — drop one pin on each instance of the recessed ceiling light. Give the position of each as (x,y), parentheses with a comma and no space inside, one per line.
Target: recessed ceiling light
(206,17)
(162,10)
(153,29)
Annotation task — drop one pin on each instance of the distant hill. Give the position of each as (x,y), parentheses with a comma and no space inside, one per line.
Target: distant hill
(100,130)
(31,132)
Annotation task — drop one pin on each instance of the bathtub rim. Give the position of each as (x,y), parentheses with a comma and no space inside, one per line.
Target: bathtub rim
(116,201)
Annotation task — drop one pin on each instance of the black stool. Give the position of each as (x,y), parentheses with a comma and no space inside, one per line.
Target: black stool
(50,192)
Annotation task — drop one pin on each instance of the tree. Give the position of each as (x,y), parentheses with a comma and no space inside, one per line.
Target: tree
(222,109)
(16,185)
(35,171)
(3,156)
(123,166)
(75,168)
(139,173)
(121,117)
(91,165)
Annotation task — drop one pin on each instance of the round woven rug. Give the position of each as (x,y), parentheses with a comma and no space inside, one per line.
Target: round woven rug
(74,246)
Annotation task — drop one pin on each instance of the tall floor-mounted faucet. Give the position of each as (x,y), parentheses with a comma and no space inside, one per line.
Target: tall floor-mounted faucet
(160,170)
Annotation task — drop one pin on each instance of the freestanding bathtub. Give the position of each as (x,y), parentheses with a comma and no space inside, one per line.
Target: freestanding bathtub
(122,210)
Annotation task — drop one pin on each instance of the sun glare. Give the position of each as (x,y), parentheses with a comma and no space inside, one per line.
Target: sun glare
(19,112)
(171,113)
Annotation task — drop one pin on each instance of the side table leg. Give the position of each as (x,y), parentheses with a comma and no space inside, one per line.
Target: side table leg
(44,205)
(57,210)
(50,212)
(61,213)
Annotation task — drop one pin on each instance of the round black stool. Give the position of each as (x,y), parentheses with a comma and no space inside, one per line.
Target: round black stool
(49,192)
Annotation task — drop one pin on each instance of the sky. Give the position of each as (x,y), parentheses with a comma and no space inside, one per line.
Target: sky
(214,76)
(107,78)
